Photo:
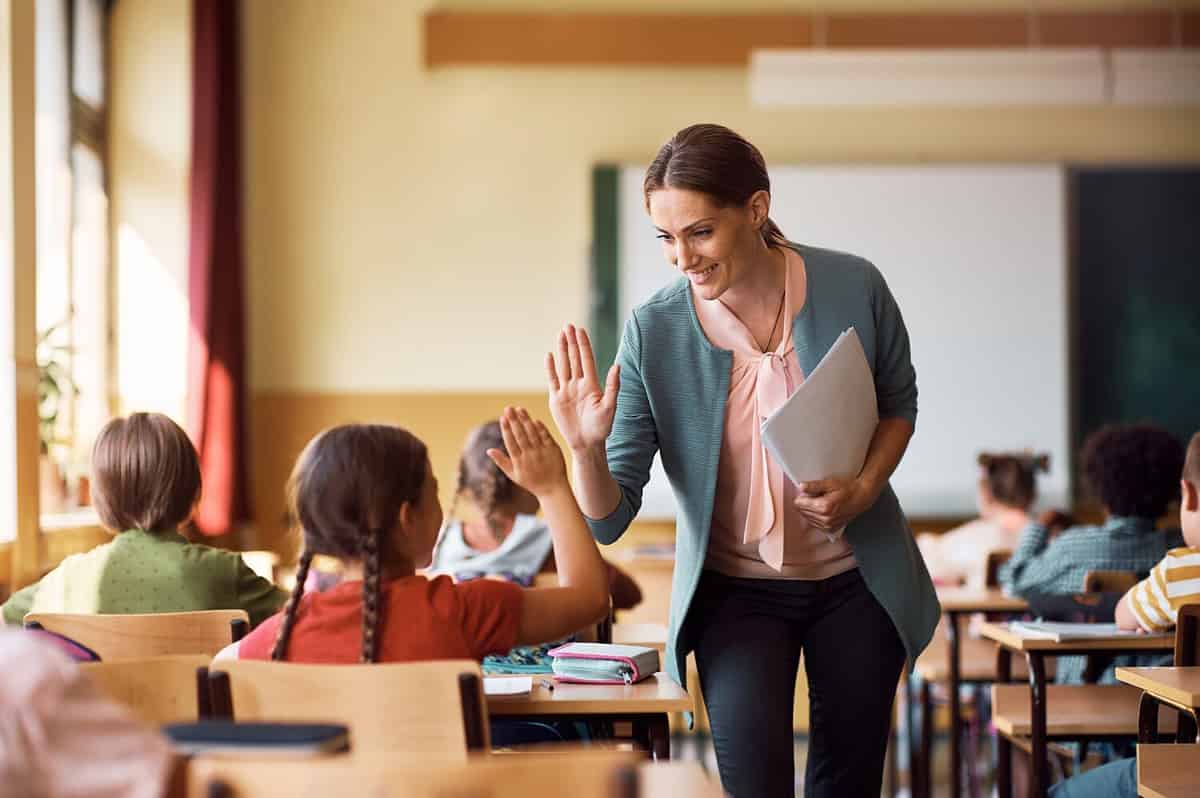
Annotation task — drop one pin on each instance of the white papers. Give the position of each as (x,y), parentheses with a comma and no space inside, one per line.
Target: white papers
(507,685)
(825,428)
(1061,632)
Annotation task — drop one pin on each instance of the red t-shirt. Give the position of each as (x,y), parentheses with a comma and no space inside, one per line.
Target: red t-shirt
(421,619)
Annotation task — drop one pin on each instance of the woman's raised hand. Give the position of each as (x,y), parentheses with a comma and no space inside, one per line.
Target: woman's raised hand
(583,412)
(533,459)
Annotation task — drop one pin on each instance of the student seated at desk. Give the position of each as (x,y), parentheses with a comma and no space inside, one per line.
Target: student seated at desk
(366,495)
(145,484)
(1006,490)
(1152,605)
(508,539)
(1132,469)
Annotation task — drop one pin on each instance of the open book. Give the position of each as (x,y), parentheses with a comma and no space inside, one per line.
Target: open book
(1061,632)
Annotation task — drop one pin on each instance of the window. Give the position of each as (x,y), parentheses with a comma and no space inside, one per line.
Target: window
(73,284)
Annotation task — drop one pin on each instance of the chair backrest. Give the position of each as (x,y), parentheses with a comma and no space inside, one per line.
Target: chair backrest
(158,690)
(1187,636)
(585,774)
(991,566)
(147,635)
(412,706)
(1108,581)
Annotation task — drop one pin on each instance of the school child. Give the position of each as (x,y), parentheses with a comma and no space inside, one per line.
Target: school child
(1152,605)
(366,495)
(1007,488)
(508,539)
(145,484)
(1133,470)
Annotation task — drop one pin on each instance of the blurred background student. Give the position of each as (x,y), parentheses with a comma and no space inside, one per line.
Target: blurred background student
(1007,489)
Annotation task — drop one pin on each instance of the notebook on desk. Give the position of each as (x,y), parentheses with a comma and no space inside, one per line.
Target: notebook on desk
(1061,632)
(258,739)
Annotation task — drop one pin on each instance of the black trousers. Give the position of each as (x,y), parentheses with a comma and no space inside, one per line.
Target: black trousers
(749,635)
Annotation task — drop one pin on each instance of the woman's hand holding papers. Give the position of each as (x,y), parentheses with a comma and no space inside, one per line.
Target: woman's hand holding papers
(830,504)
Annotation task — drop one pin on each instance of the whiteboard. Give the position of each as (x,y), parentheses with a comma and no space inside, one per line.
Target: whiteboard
(976,256)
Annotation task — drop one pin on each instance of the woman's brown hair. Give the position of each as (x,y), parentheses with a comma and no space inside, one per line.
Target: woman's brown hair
(346,491)
(713,160)
(480,478)
(145,474)
(1011,478)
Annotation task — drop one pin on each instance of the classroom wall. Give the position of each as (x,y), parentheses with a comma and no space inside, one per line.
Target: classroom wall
(415,239)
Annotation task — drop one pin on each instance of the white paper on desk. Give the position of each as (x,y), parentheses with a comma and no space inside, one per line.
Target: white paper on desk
(1062,632)
(825,427)
(507,685)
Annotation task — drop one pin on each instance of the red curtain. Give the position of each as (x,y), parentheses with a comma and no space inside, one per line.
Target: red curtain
(216,356)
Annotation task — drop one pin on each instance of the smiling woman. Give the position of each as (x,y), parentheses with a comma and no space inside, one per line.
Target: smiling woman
(765,569)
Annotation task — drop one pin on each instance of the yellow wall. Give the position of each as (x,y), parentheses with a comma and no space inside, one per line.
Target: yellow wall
(416,236)
(425,231)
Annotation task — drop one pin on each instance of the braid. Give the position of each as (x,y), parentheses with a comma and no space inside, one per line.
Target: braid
(279,652)
(487,496)
(370,598)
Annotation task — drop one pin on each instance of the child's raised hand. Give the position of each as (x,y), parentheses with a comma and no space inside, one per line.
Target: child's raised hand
(534,461)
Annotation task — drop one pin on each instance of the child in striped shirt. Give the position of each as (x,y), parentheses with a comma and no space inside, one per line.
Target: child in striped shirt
(1152,605)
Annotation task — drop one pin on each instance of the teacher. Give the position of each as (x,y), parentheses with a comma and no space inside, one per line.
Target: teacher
(765,570)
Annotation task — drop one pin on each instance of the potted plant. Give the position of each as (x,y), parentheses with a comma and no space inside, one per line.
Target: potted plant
(55,387)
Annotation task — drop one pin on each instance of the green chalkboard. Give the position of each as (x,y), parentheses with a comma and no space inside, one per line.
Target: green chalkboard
(1136,285)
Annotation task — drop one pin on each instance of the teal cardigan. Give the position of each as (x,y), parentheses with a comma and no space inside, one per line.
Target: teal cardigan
(674,384)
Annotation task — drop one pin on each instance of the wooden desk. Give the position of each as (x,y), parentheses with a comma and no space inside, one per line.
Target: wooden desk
(1036,651)
(957,602)
(1077,710)
(1177,687)
(646,704)
(1168,771)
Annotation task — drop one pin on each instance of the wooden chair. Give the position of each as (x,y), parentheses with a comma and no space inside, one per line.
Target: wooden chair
(1108,581)
(1187,654)
(436,706)
(589,774)
(148,635)
(991,566)
(158,690)
(1187,636)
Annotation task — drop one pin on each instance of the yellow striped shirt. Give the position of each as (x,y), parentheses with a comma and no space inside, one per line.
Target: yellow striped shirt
(1175,581)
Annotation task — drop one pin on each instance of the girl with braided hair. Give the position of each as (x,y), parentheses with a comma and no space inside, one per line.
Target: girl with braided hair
(366,494)
(507,538)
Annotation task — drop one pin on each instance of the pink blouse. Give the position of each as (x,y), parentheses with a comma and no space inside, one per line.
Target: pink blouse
(756,530)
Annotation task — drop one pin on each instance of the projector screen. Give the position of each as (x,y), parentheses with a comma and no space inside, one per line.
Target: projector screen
(976,257)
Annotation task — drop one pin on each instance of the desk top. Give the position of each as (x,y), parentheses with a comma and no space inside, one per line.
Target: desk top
(1168,770)
(650,635)
(1002,634)
(1179,686)
(961,599)
(659,693)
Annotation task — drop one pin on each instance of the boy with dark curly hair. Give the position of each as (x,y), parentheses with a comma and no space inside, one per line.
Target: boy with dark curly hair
(1134,471)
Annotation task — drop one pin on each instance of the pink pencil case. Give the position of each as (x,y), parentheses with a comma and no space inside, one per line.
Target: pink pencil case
(603,663)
